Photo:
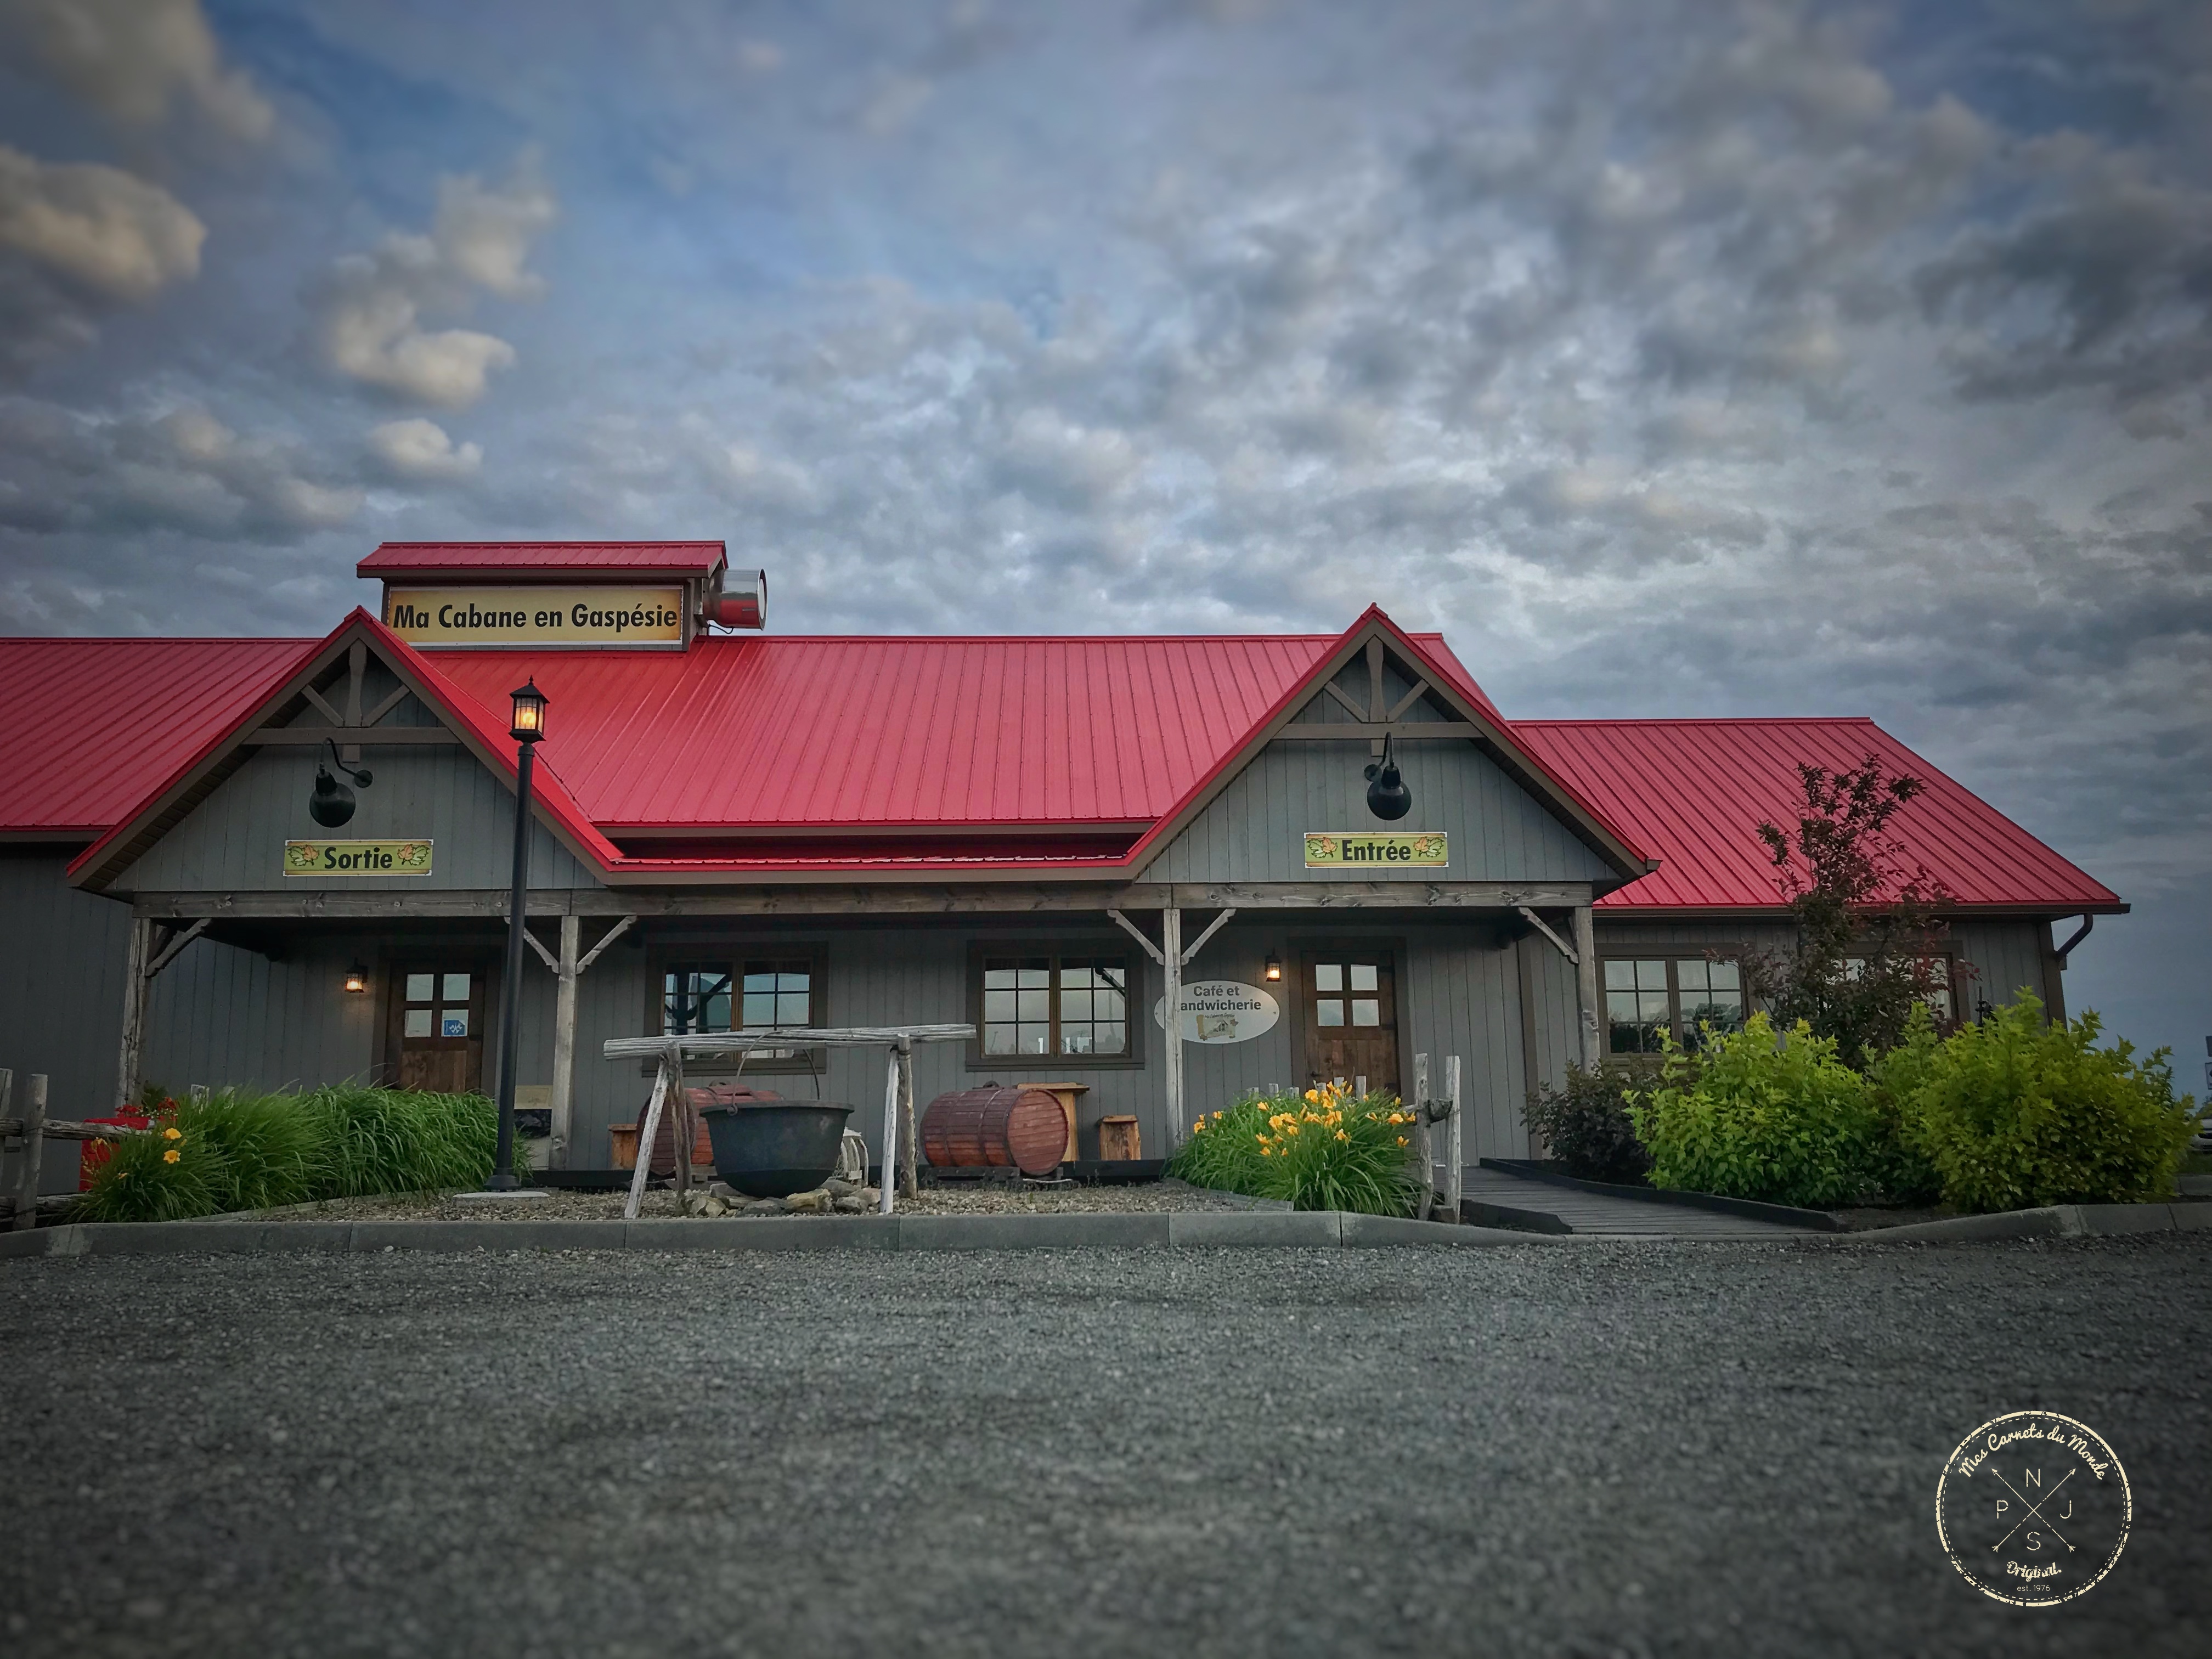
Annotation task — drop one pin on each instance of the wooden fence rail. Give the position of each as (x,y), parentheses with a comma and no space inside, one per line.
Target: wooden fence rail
(26,1137)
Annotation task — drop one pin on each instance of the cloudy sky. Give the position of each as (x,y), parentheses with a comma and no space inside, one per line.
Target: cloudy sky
(1701,359)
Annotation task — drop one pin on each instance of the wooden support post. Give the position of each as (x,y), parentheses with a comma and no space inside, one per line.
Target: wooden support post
(139,954)
(909,1133)
(1423,1150)
(645,1134)
(1455,1142)
(34,1154)
(683,1132)
(1171,969)
(1586,992)
(564,1041)
(889,1174)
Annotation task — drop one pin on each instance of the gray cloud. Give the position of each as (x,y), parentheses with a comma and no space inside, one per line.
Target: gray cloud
(133,59)
(370,305)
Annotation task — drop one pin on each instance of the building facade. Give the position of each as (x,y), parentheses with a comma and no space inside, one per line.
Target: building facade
(1056,840)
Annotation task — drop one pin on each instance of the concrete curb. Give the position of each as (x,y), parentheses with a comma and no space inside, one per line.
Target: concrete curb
(2053,1221)
(1124,1230)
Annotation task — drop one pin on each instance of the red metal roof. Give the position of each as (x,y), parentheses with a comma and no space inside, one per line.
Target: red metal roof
(1693,792)
(395,561)
(91,725)
(1064,749)
(914,732)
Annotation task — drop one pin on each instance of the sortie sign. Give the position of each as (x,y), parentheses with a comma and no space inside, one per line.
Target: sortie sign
(480,616)
(1418,849)
(357,857)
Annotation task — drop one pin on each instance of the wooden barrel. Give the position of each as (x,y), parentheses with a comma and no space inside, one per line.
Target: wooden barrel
(967,1127)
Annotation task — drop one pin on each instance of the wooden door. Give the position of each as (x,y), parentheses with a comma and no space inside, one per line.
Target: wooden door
(1351,997)
(438,1015)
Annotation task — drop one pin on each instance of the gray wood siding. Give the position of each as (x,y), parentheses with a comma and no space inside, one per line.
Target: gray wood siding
(2007,956)
(1254,830)
(235,840)
(61,995)
(1554,1014)
(1458,996)
(226,1016)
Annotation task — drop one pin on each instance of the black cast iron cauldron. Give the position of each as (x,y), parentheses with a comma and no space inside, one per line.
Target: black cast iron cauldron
(775,1150)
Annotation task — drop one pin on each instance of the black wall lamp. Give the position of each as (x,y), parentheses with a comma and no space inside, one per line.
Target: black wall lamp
(356,979)
(1273,971)
(332,804)
(1388,798)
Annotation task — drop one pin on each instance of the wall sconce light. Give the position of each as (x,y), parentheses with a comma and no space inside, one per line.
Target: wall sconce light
(356,979)
(1388,798)
(332,804)
(1274,970)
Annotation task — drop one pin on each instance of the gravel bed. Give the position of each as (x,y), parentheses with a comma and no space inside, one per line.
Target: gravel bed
(559,1205)
(1650,1450)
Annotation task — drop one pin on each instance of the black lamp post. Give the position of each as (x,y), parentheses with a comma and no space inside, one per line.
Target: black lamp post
(528,727)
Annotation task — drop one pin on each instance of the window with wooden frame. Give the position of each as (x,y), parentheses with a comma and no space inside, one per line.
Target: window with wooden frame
(1071,1008)
(754,990)
(1645,996)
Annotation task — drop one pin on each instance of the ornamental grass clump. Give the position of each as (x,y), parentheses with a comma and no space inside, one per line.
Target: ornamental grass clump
(1328,1149)
(2014,1113)
(1781,1120)
(237,1151)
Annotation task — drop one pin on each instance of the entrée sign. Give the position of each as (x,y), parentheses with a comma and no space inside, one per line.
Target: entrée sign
(357,857)
(535,616)
(1421,849)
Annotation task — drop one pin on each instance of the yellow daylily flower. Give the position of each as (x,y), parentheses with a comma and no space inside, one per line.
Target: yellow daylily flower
(171,1156)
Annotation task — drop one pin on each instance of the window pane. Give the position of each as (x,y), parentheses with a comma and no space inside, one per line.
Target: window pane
(791,1007)
(1032,1004)
(1034,1039)
(1074,1006)
(1110,1037)
(998,975)
(1328,1011)
(1075,1039)
(759,1009)
(454,1022)
(418,989)
(998,1039)
(1328,976)
(1366,1011)
(457,987)
(1650,975)
(1690,978)
(1620,975)
(998,1005)
(1726,976)
(1620,1007)
(1363,976)
(418,1019)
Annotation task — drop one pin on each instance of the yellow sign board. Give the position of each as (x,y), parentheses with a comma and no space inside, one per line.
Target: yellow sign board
(357,857)
(480,616)
(1419,849)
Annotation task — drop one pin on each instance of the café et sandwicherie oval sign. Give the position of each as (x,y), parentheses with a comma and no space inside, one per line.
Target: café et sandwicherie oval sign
(1216,1011)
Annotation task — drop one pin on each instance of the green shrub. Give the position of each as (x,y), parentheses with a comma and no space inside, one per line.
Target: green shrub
(239,1151)
(1783,1121)
(2014,1113)
(1587,1126)
(1326,1149)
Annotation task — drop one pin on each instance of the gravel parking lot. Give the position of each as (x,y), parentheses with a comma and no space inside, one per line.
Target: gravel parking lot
(1576,1448)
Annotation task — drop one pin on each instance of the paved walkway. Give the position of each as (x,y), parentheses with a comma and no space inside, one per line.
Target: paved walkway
(1605,1214)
